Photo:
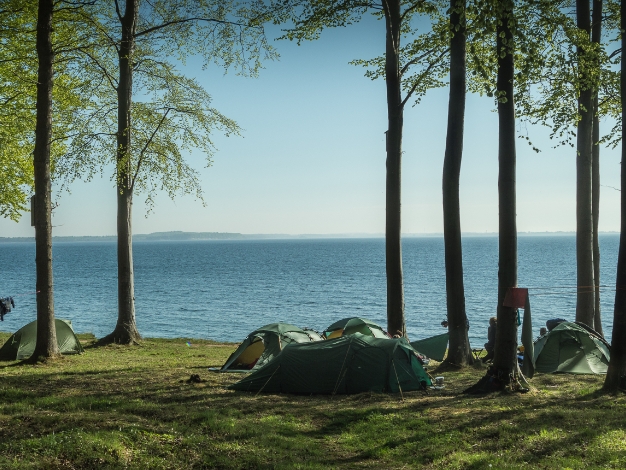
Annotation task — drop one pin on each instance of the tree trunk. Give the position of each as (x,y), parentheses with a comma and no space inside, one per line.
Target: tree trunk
(596,37)
(126,329)
(459,352)
(595,203)
(584,221)
(393,245)
(46,331)
(505,352)
(617,364)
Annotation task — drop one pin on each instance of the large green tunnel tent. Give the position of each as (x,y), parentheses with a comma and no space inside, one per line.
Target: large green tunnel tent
(21,344)
(348,364)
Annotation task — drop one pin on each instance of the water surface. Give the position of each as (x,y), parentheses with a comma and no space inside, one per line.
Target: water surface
(223,289)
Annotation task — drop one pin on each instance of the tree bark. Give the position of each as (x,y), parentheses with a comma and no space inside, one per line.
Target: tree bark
(459,352)
(617,364)
(46,331)
(584,221)
(393,245)
(596,38)
(126,329)
(505,352)
(595,204)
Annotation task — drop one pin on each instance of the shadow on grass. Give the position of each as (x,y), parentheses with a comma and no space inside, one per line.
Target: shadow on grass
(133,407)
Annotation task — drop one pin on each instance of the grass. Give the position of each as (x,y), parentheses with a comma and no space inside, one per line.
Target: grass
(131,407)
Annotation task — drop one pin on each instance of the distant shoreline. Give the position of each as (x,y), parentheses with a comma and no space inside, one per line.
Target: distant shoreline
(199,236)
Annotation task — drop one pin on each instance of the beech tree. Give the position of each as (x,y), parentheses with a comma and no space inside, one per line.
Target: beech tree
(148,136)
(37,39)
(46,332)
(505,353)
(509,38)
(585,302)
(459,352)
(572,91)
(617,365)
(596,40)
(413,63)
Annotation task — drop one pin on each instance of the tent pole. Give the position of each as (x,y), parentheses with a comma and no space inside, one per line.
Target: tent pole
(397,379)
(268,381)
(341,370)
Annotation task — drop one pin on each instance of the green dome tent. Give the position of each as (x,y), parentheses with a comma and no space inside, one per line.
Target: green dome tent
(263,344)
(348,326)
(348,364)
(21,344)
(571,348)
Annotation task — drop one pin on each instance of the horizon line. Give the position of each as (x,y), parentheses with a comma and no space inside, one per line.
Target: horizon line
(229,235)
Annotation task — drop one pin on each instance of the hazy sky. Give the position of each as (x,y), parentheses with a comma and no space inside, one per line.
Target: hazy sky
(312,158)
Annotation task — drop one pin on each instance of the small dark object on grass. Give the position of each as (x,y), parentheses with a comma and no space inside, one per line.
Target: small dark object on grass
(194,379)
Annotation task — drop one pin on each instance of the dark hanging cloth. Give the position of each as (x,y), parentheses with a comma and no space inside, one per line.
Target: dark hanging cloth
(550,324)
(5,306)
(491,338)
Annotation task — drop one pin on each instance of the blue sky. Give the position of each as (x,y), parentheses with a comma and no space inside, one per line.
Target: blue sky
(312,158)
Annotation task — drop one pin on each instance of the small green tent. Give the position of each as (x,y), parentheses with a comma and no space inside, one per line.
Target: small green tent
(348,364)
(571,348)
(350,325)
(21,344)
(434,347)
(263,344)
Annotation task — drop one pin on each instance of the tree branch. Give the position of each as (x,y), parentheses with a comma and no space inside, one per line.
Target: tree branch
(409,10)
(117,10)
(96,134)
(102,68)
(187,20)
(143,150)
(615,53)
(415,60)
(10,98)
(422,75)
(74,6)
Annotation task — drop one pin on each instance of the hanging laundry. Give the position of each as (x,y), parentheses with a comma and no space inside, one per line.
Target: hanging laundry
(5,306)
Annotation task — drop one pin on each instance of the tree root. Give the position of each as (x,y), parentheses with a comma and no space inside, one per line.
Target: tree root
(120,337)
(497,380)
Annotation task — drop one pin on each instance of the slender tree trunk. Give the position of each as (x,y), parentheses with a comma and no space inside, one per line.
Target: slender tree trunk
(393,245)
(584,221)
(126,329)
(46,331)
(505,353)
(596,38)
(595,203)
(459,352)
(617,364)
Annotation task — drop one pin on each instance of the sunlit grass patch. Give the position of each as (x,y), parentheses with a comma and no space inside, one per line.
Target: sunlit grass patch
(614,440)
(609,448)
(545,441)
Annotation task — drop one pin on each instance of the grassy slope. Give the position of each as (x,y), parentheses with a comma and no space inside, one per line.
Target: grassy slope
(120,407)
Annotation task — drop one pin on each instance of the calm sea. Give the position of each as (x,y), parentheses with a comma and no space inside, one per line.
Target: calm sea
(222,290)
